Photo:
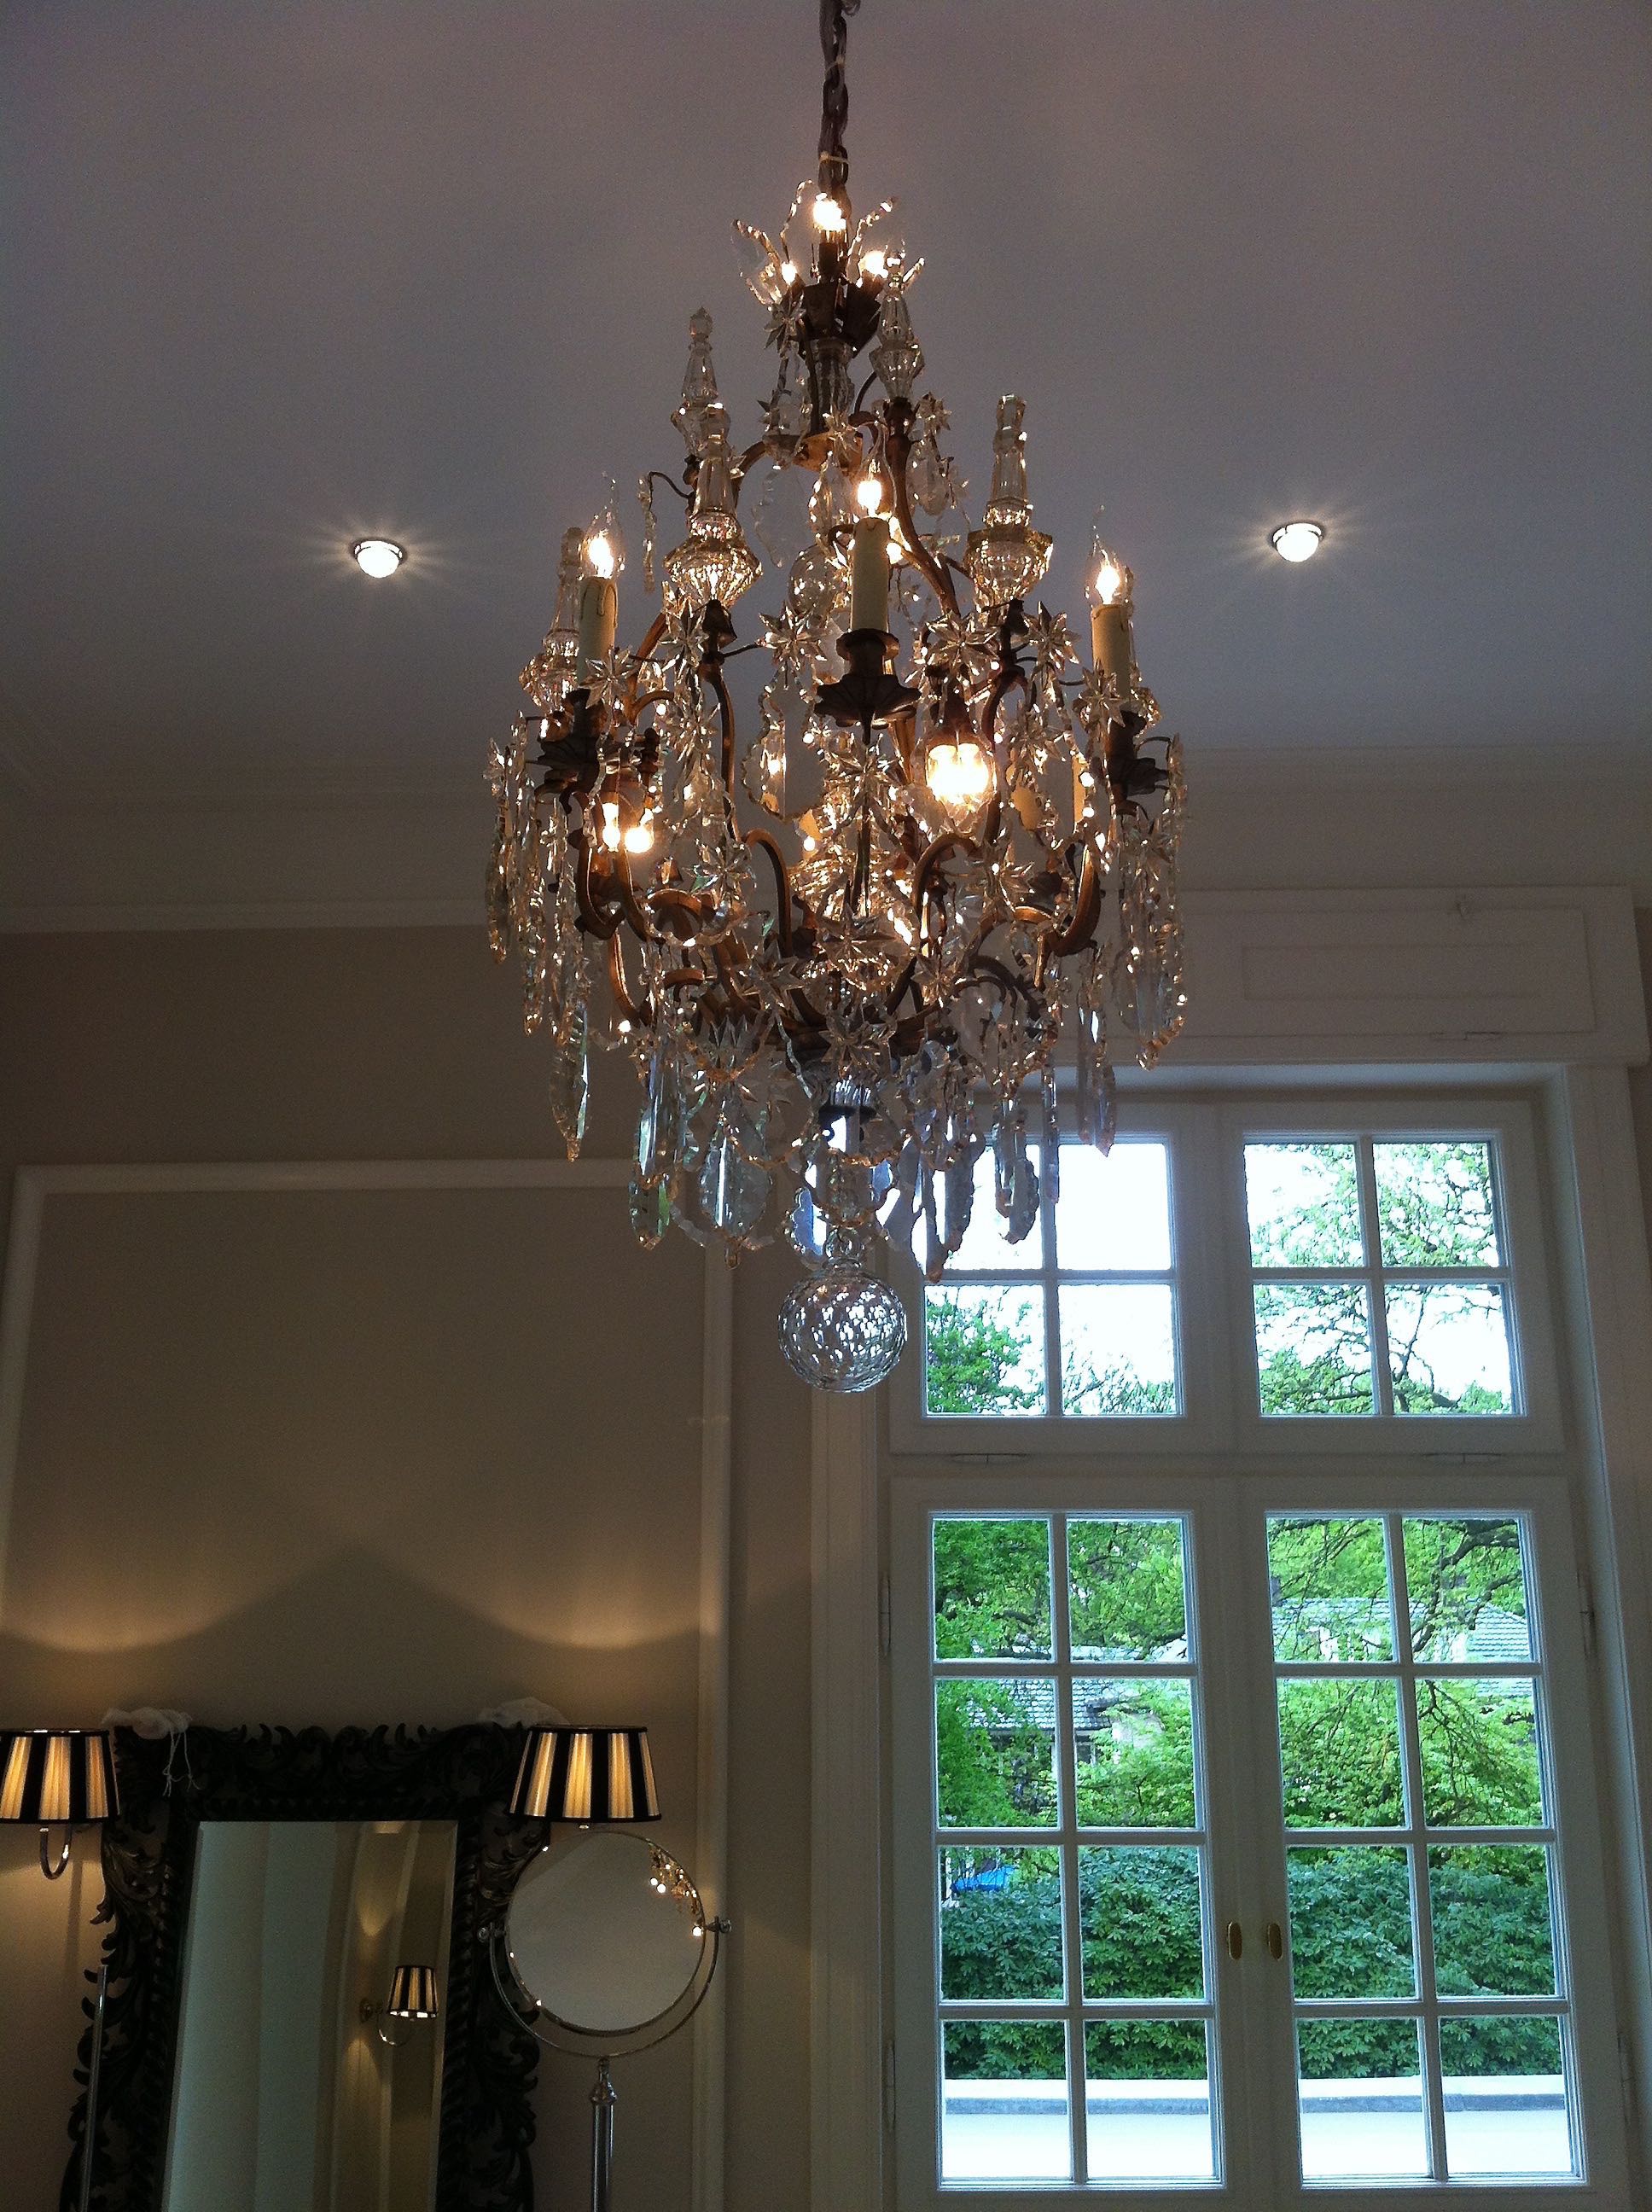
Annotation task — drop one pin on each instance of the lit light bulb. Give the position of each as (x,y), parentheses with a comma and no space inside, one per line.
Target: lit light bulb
(788,272)
(874,262)
(1110,582)
(601,554)
(869,493)
(610,825)
(640,837)
(1297,541)
(378,556)
(958,775)
(829,214)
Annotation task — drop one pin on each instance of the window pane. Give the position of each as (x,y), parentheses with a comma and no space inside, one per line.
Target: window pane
(1505,2097)
(1434,1206)
(1004,2101)
(1147,2100)
(984,1349)
(1350,1929)
(985,1245)
(1126,1591)
(1449,1348)
(1138,1907)
(1000,1916)
(995,1753)
(1133,1752)
(1313,1347)
(1115,1212)
(1303,1203)
(1360,2095)
(1479,1745)
(1339,1747)
(1329,1584)
(1118,1348)
(1468,1589)
(992,1590)
(1492,1932)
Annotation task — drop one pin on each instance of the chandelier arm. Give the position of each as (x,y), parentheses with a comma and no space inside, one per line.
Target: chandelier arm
(674,902)
(897,439)
(659,476)
(782,884)
(1086,911)
(635,912)
(731,982)
(713,673)
(630,1008)
(598,923)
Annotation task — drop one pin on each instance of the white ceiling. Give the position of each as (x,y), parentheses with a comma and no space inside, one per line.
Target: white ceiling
(279,276)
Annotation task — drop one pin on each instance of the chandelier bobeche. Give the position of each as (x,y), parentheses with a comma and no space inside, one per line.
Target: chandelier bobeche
(847,954)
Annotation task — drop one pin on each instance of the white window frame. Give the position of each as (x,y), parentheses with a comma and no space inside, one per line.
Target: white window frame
(1211,1272)
(1252,2006)
(1203,1422)
(1506,1123)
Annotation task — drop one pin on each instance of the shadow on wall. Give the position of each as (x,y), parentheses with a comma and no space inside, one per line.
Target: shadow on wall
(353,1641)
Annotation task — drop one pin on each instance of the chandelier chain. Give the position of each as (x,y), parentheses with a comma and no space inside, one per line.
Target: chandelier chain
(834,93)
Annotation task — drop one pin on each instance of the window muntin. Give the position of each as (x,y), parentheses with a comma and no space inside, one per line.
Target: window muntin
(1080,1318)
(1071,1936)
(1432,2019)
(1380,1276)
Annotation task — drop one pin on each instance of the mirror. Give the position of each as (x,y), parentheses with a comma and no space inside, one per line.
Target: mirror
(292,2091)
(599,1936)
(265,1888)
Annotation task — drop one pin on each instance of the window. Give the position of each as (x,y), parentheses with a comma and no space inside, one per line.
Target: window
(1237,1853)
(1432,2020)
(1070,1880)
(1378,1277)
(1228,1276)
(1079,1318)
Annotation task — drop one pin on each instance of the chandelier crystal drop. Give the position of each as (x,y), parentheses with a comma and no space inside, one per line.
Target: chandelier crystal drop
(848,953)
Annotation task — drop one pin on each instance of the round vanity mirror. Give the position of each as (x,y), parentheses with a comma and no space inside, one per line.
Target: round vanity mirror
(605,1932)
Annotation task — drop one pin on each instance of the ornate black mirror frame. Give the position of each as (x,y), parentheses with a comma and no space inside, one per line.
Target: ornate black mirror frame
(464,1775)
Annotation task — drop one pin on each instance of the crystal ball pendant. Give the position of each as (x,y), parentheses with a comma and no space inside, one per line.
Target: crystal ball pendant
(843,1330)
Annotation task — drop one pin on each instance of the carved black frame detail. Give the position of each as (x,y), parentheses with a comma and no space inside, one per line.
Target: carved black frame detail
(464,1775)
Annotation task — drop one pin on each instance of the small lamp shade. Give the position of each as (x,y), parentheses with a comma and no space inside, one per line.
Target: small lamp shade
(57,1777)
(412,1994)
(587,1775)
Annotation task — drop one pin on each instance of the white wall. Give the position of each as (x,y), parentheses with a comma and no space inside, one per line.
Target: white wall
(353,1459)
(380,1455)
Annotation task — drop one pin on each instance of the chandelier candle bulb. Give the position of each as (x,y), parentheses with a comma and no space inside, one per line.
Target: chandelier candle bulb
(869,575)
(1112,644)
(598,619)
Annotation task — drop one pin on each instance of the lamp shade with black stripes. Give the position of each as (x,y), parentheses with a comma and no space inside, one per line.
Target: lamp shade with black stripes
(52,1776)
(585,1774)
(412,1994)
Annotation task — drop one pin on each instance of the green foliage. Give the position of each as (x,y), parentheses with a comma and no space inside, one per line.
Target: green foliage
(1351,1906)
(1434,1209)
(972,1356)
(991,1588)
(1350,1937)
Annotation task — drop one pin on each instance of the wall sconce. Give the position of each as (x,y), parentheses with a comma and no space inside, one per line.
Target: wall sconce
(587,1775)
(412,1998)
(58,1779)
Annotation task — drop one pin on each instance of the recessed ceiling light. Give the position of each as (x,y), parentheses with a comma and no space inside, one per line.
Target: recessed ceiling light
(1297,541)
(378,556)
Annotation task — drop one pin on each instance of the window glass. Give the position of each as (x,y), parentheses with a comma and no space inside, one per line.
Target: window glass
(1079,1319)
(1378,1280)
(1122,2084)
(1451,1712)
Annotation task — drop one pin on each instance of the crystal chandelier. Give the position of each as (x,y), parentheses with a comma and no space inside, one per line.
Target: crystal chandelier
(848,953)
